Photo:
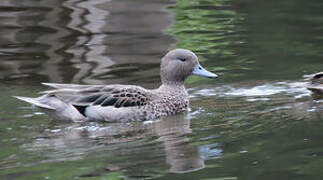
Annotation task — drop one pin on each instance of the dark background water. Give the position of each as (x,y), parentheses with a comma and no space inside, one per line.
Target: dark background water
(254,122)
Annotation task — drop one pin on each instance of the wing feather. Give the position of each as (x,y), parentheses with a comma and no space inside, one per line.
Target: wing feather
(110,95)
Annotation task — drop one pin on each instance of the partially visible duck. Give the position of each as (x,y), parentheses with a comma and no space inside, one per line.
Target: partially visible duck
(316,82)
(124,103)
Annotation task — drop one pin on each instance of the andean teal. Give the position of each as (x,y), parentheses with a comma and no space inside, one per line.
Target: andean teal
(316,82)
(123,103)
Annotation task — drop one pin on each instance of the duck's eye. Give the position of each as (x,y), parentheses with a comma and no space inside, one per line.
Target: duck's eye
(182,59)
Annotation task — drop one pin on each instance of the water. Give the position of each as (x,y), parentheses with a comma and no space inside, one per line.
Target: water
(256,121)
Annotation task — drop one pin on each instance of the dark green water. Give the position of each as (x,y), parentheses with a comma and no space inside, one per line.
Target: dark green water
(254,122)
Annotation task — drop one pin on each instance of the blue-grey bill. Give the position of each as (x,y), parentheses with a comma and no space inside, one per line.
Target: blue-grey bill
(200,71)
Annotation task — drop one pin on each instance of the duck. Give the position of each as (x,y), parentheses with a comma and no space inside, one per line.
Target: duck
(315,83)
(124,103)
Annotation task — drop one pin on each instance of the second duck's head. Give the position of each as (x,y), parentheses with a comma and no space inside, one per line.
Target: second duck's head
(178,64)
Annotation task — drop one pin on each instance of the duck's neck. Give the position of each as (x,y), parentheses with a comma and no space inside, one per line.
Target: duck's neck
(172,87)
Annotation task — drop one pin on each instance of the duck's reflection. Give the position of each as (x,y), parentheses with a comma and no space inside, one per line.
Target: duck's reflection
(179,154)
(159,143)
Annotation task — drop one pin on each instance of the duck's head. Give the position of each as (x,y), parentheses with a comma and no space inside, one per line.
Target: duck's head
(178,64)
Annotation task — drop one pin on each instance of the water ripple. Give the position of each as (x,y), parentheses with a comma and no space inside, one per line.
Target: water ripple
(254,93)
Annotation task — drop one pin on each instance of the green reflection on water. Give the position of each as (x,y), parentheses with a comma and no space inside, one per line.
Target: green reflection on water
(207,27)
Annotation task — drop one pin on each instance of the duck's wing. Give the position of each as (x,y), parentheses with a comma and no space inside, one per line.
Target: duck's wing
(70,86)
(102,95)
(117,96)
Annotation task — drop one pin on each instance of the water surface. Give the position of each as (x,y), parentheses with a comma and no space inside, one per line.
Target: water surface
(256,121)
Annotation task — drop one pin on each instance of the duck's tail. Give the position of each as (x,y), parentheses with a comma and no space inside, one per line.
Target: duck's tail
(36,102)
(55,108)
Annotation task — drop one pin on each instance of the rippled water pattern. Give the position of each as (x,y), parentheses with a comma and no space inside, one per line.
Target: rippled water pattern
(256,121)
